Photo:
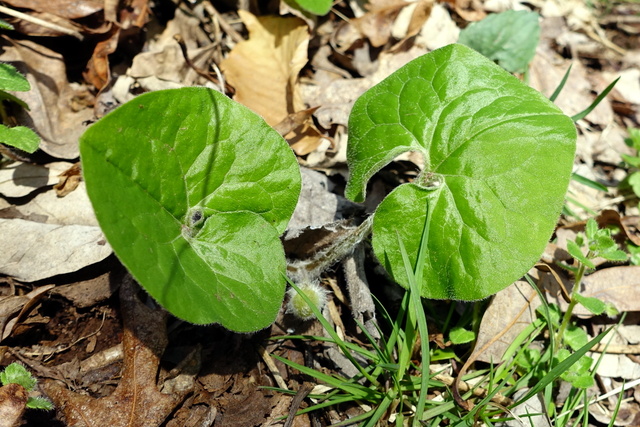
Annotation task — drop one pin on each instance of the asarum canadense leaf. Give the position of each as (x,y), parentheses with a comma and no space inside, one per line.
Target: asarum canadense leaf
(498,158)
(192,191)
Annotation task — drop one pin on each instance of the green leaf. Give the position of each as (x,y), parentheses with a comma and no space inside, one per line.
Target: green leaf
(15,373)
(39,403)
(588,182)
(509,38)
(498,157)
(459,335)
(20,137)
(11,79)
(591,229)
(4,25)
(192,191)
(578,374)
(592,304)
(575,337)
(317,7)
(575,251)
(634,182)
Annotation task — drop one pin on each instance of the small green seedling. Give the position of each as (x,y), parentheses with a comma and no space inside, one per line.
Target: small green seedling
(15,373)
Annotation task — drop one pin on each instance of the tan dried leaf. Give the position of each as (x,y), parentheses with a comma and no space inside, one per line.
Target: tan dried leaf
(509,313)
(264,69)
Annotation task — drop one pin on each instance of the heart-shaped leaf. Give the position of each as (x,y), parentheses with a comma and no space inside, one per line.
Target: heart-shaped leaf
(510,38)
(498,157)
(192,191)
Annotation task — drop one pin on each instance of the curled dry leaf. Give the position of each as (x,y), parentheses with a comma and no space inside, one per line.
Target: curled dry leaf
(54,113)
(98,72)
(21,179)
(15,307)
(264,69)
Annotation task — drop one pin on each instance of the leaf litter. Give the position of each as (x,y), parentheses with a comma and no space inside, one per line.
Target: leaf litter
(302,73)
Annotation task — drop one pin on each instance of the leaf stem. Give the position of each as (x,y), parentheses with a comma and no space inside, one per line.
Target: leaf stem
(567,315)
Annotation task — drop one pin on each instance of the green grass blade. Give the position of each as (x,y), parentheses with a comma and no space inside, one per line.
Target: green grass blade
(338,341)
(588,182)
(563,366)
(555,94)
(595,103)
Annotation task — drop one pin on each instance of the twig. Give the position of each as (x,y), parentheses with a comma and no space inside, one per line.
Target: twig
(235,36)
(41,22)
(272,368)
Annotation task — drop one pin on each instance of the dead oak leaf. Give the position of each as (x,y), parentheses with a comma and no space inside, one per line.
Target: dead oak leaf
(136,402)
(264,68)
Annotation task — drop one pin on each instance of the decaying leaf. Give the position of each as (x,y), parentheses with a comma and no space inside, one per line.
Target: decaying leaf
(509,313)
(264,69)
(136,402)
(13,400)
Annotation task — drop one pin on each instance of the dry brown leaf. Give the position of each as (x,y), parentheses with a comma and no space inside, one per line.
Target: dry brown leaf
(377,24)
(98,72)
(13,401)
(509,313)
(619,286)
(136,402)
(264,69)
(54,112)
(26,304)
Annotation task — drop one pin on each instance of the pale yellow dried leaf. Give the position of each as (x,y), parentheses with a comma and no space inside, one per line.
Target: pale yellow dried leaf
(264,68)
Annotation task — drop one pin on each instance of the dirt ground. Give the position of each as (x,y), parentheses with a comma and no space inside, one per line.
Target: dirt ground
(101,349)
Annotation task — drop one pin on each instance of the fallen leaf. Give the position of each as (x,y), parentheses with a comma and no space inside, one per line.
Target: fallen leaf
(509,313)
(619,286)
(439,30)
(53,114)
(34,251)
(377,24)
(264,69)
(21,179)
(69,180)
(98,72)
(13,401)
(14,309)
(136,402)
